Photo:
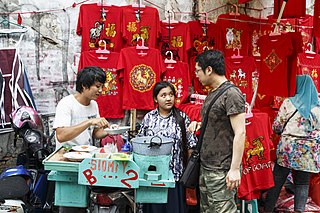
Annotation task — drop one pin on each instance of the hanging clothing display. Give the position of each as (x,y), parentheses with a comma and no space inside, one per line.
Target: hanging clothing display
(13,94)
(139,73)
(140,22)
(293,9)
(273,77)
(240,71)
(179,41)
(110,100)
(234,33)
(260,27)
(316,18)
(310,65)
(256,163)
(203,36)
(177,74)
(96,23)
(305,25)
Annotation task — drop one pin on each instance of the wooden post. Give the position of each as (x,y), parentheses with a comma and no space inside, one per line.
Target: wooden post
(133,119)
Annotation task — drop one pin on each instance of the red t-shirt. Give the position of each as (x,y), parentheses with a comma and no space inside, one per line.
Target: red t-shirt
(239,71)
(202,36)
(140,74)
(148,26)
(234,33)
(310,66)
(110,100)
(316,18)
(305,27)
(256,163)
(293,9)
(260,27)
(179,42)
(93,28)
(176,75)
(273,77)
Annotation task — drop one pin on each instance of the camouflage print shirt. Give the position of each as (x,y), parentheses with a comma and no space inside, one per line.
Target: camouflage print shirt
(216,149)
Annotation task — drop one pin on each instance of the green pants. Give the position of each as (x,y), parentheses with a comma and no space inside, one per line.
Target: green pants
(214,195)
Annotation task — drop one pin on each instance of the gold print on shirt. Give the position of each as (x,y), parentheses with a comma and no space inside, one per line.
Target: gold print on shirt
(110,85)
(95,34)
(142,78)
(239,80)
(314,73)
(132,27)
(177,83)
(111,30)
(144,33)
(257,150)
(233,37)
(272,60)
(176,41)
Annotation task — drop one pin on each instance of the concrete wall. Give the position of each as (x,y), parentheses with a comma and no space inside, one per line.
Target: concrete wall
(50,49)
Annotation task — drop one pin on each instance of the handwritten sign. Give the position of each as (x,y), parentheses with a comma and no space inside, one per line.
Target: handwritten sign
(106,172)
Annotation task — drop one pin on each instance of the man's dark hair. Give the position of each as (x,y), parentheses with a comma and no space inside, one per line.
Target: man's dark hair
(88,76)
(212,58)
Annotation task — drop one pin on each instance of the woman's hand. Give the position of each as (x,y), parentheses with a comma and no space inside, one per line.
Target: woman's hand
(194,126)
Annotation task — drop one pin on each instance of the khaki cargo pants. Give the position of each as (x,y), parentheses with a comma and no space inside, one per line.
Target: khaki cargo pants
(214,195)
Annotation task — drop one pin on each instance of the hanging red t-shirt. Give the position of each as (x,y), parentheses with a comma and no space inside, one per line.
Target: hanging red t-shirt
(140,73)
(296,40)
(177,75)
(316,18)
(293,8)
(146,25)
(256,163)
(94,26)
(239,71)
(179,42)
(273,77)
(234,33)
(203,36)
(305,27)
(260,27)
(310,66)
(110,100)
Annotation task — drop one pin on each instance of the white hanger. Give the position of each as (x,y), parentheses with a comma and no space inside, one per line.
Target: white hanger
(238,56)
(170,61)
(139,3)
(7,23)
(141,47)
(103,51)
(309,52)
(170,18)
(102,3)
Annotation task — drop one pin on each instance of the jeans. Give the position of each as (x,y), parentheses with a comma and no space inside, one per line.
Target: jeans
(301,182)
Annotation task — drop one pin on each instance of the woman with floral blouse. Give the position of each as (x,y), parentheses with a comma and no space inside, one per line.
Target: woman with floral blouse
(298,122)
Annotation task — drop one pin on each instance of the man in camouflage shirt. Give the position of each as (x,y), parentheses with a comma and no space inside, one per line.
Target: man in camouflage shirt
(223,141)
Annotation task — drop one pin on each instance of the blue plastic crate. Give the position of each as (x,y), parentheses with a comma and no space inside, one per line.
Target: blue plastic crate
(151,195)
(67,191)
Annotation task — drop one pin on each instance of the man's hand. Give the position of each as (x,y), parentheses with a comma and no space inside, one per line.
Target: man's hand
(194,126)
(99,122)
(233,179)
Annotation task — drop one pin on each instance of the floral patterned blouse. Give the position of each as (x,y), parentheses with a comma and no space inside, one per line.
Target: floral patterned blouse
(168,127)
(299,146)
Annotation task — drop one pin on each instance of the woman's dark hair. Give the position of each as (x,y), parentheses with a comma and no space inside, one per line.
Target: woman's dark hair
(88,76)
(212,58)
(177,115)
